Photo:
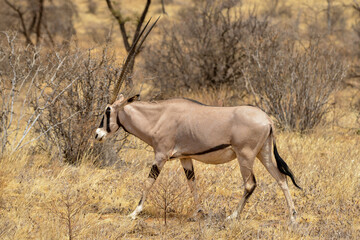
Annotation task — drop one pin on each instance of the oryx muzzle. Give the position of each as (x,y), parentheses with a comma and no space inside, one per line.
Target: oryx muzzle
(185,129)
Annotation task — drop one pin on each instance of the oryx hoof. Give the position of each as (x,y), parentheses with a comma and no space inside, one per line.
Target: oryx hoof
(293,226)
(133,215)
(293,218)
(293,222)
(197,215)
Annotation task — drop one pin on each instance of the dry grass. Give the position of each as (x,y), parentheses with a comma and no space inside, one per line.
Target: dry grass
(47,199)
(43,198)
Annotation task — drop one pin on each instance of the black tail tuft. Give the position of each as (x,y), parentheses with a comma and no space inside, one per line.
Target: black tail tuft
(283,167)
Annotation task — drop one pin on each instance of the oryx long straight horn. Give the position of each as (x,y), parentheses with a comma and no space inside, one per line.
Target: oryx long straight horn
(130,57)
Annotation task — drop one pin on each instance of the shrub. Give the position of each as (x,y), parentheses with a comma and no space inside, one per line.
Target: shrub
(205,48)
(293,83)
(78,83)
(214,45)
(54,96)
(19,68)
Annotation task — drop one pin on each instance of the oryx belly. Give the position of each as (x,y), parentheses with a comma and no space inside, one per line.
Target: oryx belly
(216,157)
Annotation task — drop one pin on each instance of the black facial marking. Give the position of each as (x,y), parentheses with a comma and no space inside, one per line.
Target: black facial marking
(190,174)
(107,112)
(214,149)
(118,121)
(154,172)
(119,124)
(102,122)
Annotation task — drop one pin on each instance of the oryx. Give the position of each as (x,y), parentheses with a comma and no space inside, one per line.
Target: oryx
(186,130)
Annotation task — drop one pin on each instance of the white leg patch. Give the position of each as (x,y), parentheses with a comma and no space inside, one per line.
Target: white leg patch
(134,214)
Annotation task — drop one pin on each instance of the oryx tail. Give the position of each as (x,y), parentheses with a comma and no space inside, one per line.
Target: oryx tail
(281,164)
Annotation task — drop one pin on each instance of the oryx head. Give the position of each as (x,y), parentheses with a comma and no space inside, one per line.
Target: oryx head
(110,121)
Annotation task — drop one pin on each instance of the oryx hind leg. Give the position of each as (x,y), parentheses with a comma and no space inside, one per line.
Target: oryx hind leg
(265,156)
(190,176)
(246,162)
(149,182)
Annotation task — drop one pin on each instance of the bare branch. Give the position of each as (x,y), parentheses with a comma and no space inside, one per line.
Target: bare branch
(39,20)
(22,21)
(121,21)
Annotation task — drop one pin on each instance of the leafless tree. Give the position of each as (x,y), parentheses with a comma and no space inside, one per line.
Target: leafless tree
(356,28)
(38,22)
(163,6)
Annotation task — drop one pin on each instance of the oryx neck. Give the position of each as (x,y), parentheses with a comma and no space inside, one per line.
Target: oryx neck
(139,118)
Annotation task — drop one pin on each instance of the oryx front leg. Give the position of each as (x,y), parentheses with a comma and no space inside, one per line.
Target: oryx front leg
(190,176)
(149,182)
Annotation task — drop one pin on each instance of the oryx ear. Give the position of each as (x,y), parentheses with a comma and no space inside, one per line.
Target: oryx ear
(119,102)
(121,98)
(133,98)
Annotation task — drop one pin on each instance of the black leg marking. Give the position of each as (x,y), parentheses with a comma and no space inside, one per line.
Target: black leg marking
(154,172)
(140,201)
(248,193)
(190,174)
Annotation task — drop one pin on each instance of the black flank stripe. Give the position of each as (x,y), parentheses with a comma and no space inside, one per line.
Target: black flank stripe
(214,149)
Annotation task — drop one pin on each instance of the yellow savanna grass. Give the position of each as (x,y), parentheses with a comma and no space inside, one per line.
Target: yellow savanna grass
(43,198)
